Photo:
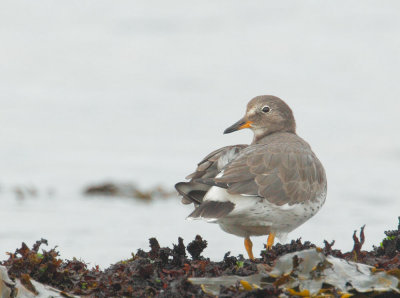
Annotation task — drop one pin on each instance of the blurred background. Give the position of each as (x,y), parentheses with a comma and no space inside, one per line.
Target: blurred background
(140,91)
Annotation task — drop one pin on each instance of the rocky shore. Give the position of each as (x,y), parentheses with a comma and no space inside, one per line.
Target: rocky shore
(295,269)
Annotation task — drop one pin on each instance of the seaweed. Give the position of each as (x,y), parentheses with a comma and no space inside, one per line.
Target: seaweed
(167,272)
(127,190)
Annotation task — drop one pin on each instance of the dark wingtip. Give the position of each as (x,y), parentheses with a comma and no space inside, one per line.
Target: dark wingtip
(178,185)
(212,209)
(189,194)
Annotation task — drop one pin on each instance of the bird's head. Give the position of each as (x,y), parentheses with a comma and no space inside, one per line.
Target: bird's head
(266,114)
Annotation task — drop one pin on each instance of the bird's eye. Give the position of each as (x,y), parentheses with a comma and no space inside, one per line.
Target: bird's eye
(265,109)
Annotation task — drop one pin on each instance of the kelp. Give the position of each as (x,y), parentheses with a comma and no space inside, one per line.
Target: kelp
(294,269)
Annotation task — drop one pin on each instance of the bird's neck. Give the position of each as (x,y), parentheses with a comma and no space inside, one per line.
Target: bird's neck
(289,126)
(259,136)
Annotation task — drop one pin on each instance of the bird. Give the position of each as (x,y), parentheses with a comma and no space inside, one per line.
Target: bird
(269,187)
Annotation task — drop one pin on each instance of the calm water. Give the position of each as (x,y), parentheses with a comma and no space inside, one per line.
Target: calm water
(141,91)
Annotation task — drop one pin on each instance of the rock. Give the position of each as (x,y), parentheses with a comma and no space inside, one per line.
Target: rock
(127,190)
(309,272)
(6,284)
(9,288)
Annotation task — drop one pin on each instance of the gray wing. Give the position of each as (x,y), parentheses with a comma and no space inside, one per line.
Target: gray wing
(209,167)
(277,172)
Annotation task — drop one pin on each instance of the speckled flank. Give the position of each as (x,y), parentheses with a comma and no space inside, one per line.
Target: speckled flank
(255,216)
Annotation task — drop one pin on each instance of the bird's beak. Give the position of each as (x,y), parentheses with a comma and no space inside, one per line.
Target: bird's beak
(242,123)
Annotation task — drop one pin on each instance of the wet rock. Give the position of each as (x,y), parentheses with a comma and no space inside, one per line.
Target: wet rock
(25,287)
(313,270)
(308,272)
(7,286)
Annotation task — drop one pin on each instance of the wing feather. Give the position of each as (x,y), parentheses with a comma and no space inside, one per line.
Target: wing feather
(207,169)
(278,172)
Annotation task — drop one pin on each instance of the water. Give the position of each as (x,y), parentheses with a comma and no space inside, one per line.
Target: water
(141,91)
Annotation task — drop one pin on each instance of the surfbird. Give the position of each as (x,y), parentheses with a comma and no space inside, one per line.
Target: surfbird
(269,187)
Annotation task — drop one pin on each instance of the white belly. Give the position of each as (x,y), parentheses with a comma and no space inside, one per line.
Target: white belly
(255,216)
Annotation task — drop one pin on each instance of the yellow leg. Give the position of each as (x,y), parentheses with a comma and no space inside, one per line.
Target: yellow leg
(270,241)
(249,247)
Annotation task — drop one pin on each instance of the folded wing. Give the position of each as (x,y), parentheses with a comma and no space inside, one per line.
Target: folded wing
(280,173)
(194,191)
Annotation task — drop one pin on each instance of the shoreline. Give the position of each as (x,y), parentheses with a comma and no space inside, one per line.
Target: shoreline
(181,271)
